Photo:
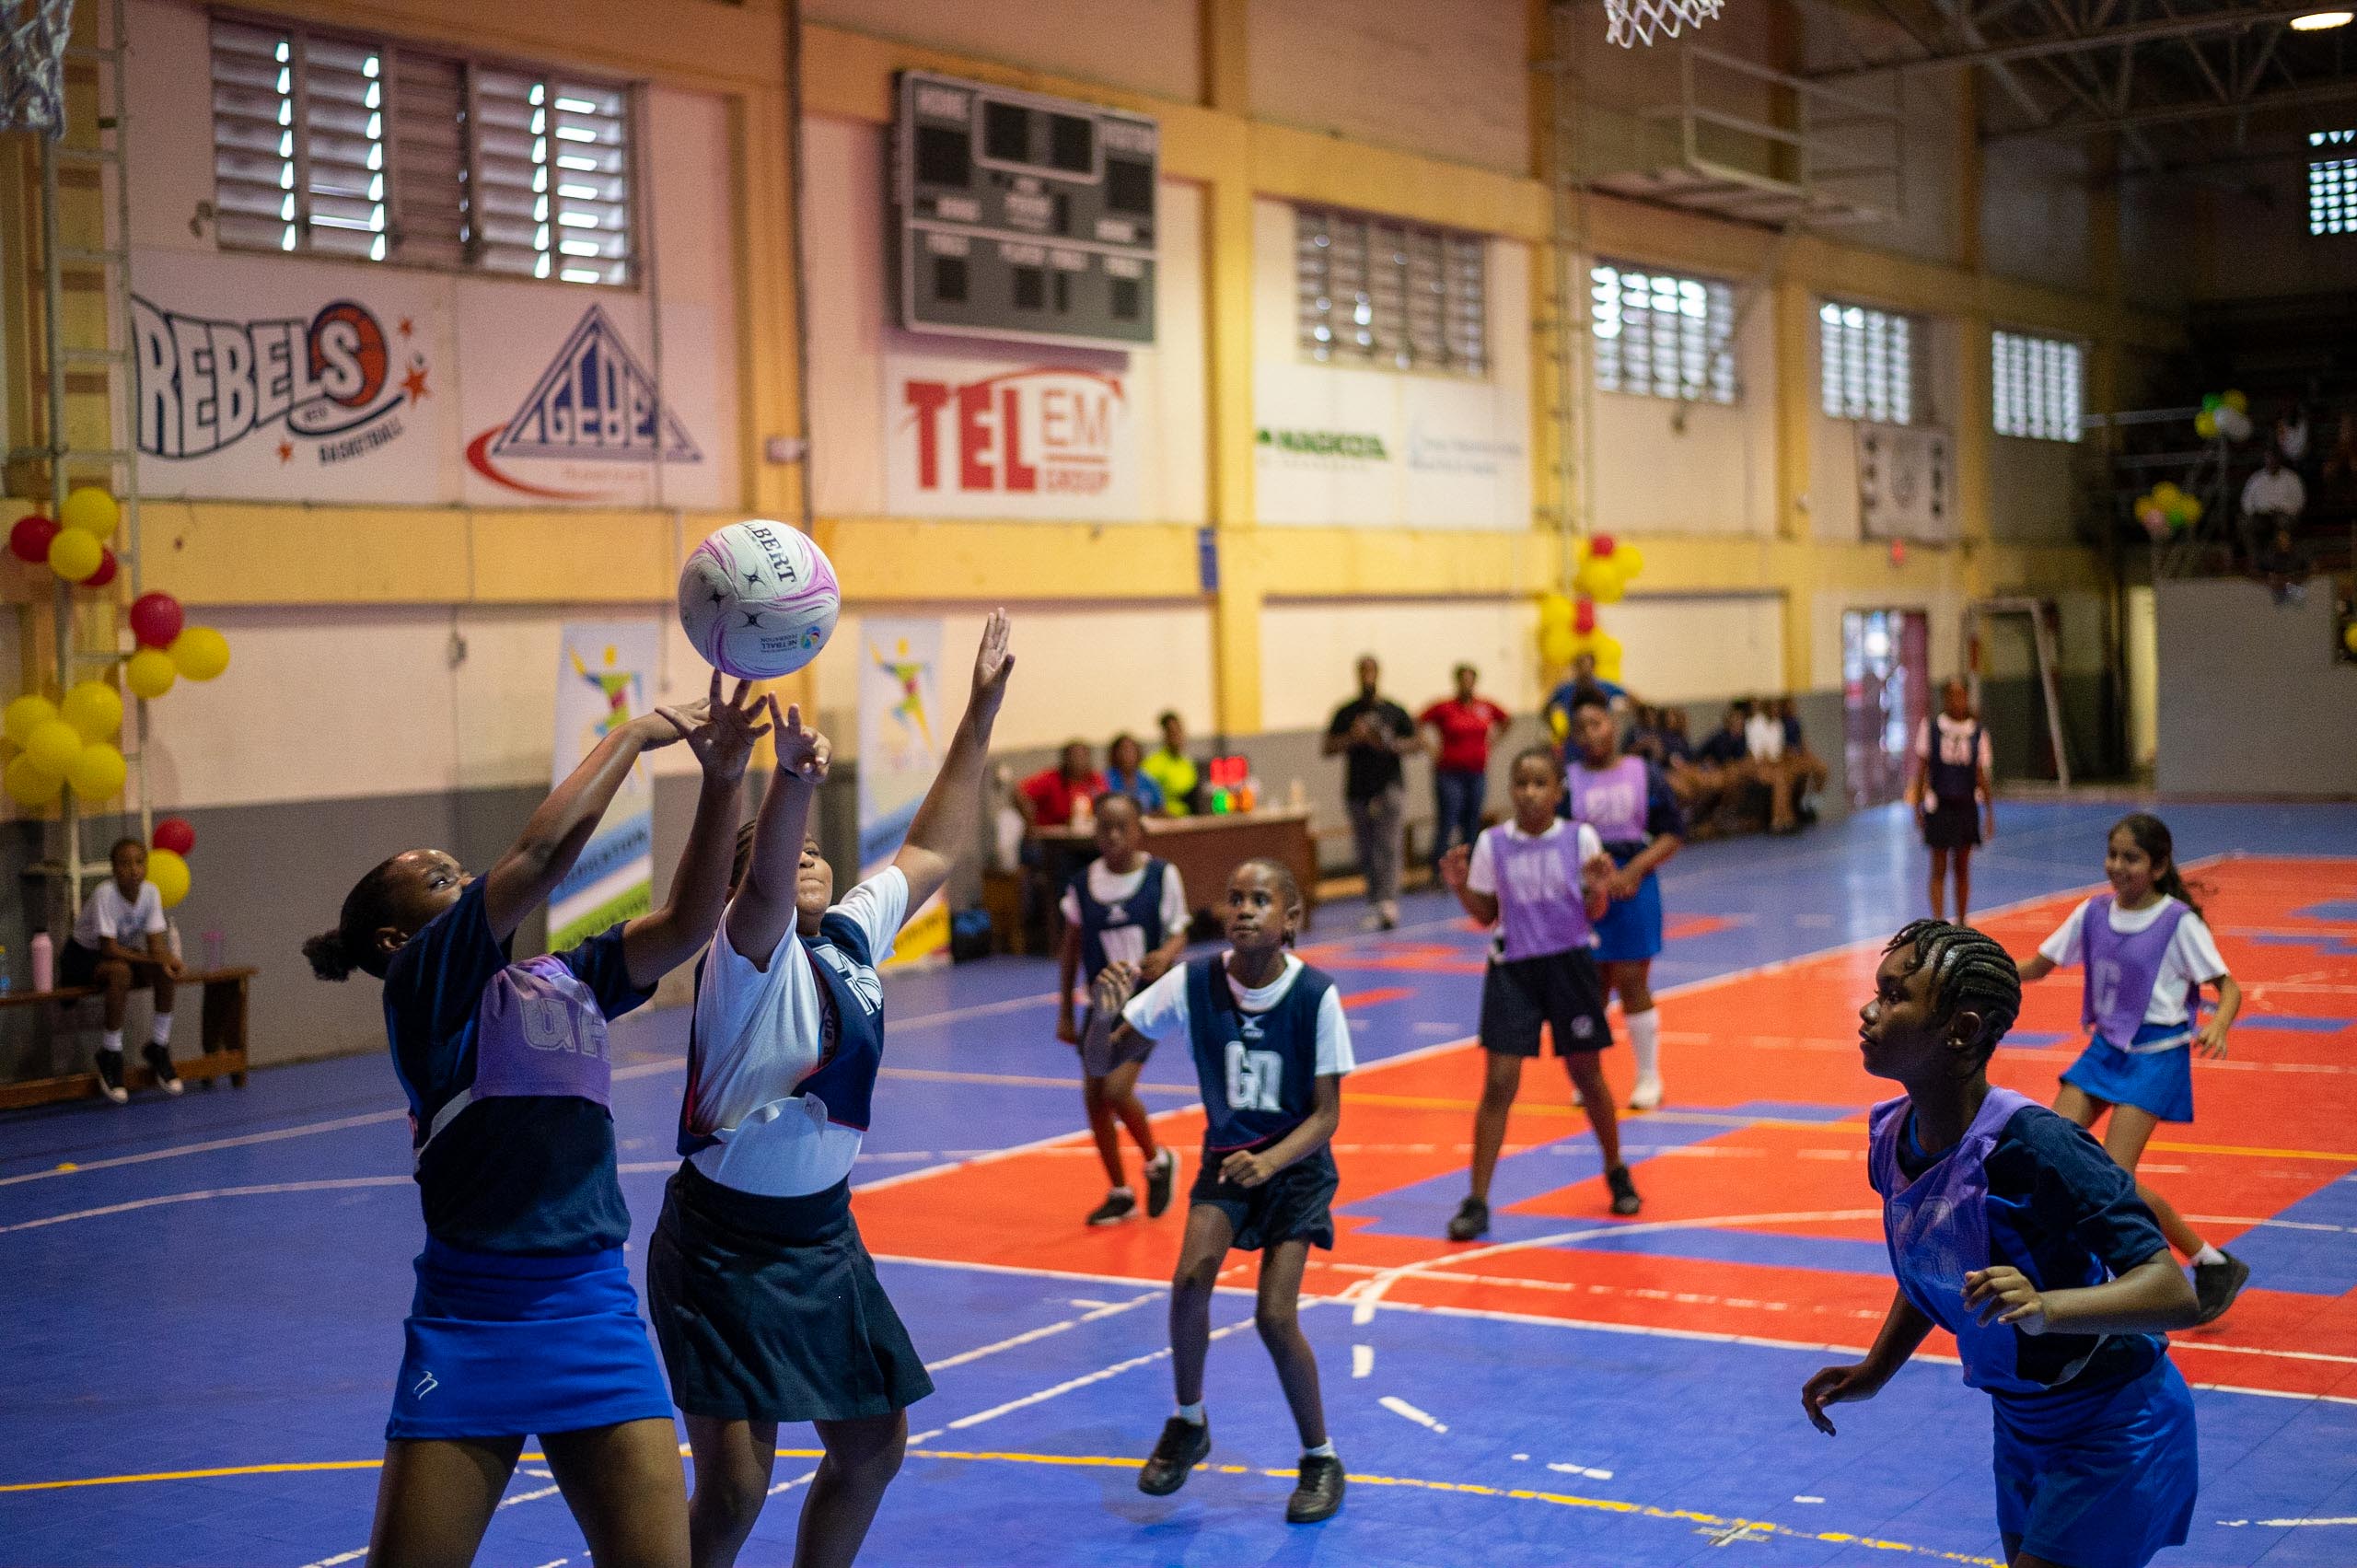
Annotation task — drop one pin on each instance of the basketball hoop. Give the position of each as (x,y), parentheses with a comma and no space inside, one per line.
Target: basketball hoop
(1632,22)
(32,65)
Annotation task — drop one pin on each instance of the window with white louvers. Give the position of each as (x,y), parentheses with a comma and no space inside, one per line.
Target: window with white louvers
(1389,295)
(338,145)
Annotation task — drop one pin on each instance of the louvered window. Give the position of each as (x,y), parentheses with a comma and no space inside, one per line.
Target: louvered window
(1661,335)
(344,146)
(1866,364)
(1389,295)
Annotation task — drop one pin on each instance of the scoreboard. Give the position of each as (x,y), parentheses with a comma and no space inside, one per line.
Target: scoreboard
(1015,216)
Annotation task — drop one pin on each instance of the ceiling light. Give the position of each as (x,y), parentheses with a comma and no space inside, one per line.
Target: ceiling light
(2319,21)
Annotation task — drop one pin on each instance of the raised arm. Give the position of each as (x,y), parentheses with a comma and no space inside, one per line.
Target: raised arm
(661,940)
(764,906)
(1455,868)
(951,814)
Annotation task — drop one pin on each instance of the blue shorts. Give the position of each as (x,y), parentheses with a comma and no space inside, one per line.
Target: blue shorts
(2160,1081)
(500,1346)
(1630,929)
(2100,1480)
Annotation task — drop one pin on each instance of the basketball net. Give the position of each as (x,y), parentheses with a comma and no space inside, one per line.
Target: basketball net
(1633,22)
(32,65)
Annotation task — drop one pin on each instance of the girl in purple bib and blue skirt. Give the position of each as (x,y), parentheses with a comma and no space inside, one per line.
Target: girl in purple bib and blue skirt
(2010,1227)
(524,1320)
(2146,954)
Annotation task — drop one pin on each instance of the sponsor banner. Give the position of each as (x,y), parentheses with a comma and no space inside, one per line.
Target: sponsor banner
(1341,445)
(606,677)
(266,380)
(902,730)
(1019,433)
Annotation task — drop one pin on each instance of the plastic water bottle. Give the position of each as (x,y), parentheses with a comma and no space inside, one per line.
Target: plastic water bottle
(44,962)
(7,979)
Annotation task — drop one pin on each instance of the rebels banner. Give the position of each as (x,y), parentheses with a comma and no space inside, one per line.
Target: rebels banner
(983,436)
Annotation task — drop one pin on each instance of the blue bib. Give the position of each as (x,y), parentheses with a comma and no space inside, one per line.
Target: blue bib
(1134,925)
(1258,1071)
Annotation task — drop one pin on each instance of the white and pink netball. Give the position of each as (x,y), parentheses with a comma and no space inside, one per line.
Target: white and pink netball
(759,599)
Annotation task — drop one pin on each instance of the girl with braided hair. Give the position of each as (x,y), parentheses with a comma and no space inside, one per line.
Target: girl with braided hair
(2009,1226)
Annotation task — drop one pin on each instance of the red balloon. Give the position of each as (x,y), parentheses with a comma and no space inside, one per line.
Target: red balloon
(156,620)
(29,540)
(1600,546)
(1584,617)
(174,833)
(107,566)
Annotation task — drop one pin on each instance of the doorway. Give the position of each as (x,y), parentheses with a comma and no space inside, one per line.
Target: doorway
(1886,697)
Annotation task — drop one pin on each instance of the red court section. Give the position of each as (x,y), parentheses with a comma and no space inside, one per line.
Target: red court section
(1757,1218)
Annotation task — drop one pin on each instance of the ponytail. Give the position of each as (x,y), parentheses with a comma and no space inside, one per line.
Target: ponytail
(2152,836)
(328,957)
(351,945)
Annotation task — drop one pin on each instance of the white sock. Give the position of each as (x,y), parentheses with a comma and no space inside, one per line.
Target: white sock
(162,1033)
(111,1040)
(2208,1254)
(1323,1451)
(1644,1038)
(1161,1160)
(1193,1413)
(1120,1191)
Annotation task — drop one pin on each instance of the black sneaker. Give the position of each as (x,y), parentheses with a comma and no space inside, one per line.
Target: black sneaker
(1161,1177)
(109,1065)
(2216,1286)
(1624,1190)
(1118,1205)
(159,1062)
(1471,1221)
(1183,1445)
(1319,1492)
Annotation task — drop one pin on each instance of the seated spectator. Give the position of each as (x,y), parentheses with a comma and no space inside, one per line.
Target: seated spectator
(1125,775)
(2272,497)
(1173,772)
(1645,736)
(1809,771)
(1046,797)
(1728,746)
(120,911)
(2283,566)
(1675,747)
(1558,709)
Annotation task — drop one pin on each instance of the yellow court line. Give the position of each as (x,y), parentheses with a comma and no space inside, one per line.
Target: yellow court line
(1107,1461)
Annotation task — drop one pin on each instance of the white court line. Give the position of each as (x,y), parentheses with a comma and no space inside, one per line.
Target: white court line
(1031,1336)
(265,1190)
(1099,1376)
(1401,1407)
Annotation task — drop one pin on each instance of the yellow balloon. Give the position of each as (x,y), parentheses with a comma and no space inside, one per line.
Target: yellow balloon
(200,653)
(74,555)
(98,774)
(1630,559)
(150,673)
(1554,610)
(1556,645)
(2166,492)
(2205,424)
(1599,580)
(2237,401)
(1605,645)
(2189,507)
(53,746)
(2349,636)
(25,714)
(91,510)
(169,872)
(28,784)
(94,708)
(1608,668)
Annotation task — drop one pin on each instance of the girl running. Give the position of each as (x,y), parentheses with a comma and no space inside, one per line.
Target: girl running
(764,1299)
(1540,880)
(1270,1047)
(2009,1227)
(1951,789)
(2147,955)
(1629,802)
(1130,906)
(524,1321)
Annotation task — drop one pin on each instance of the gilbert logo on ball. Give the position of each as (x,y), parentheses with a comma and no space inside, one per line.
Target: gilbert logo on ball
(759,599)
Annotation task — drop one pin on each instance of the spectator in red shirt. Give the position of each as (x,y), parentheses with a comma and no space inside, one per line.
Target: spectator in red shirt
(1046,797)
(1464,726)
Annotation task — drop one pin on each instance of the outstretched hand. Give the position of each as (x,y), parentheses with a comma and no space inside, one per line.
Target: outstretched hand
(1116,983)
(721,733)
(992,665)
(802,752)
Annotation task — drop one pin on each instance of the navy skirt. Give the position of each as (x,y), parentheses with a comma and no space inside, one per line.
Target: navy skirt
(1295,1205)
(769,1308)
(500,1346)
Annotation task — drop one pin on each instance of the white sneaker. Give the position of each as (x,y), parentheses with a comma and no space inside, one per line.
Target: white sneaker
(1372,921)
(1646,1096)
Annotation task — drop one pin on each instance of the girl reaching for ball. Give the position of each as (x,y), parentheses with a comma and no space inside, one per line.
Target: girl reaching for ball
(524,1320)
(762,1293)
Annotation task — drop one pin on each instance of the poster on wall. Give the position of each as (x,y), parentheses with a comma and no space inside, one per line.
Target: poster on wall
(1906,487)
(604,677)
(903,732)
(974,431)
(259,379)
(1339,445)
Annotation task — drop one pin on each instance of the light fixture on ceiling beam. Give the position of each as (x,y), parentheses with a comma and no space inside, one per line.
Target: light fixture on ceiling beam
(2320,21)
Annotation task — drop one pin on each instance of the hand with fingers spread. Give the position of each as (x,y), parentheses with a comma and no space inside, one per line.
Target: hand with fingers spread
(802,752)
(992,665)
(1115,983)
(721,733)
(2005,1294)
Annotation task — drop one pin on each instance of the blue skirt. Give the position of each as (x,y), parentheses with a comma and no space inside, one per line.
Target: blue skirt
(500,1346)
(2160,1081)
(2100,1480)
(1630,929)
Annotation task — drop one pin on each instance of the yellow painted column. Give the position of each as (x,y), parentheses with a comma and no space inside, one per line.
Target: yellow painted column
(1795,390)
(1227,302)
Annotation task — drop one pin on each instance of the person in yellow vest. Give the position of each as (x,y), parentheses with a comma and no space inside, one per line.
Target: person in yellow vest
(1171,769)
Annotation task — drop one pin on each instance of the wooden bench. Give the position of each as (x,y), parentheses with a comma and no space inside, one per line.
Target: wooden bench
(221,1034)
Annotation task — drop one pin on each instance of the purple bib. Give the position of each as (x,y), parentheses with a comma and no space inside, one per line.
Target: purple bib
(1611,800)
(2121,969)
(539,1031)
(1937,1229)
(1540,901)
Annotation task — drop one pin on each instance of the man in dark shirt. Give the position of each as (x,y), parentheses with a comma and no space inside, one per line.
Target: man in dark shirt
(1370,733)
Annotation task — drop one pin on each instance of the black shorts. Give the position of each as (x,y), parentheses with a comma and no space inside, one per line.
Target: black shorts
(1952,824)
(78,965)
(1295,1205)
(1562,990)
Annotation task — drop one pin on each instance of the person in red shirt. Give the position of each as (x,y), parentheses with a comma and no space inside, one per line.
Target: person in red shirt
(1046,797)
(1464,726)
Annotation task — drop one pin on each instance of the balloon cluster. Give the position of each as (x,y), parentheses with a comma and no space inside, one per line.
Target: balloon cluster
(2224,414)
(2164,510)
(167,855)
(74,545)
(1568,629)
